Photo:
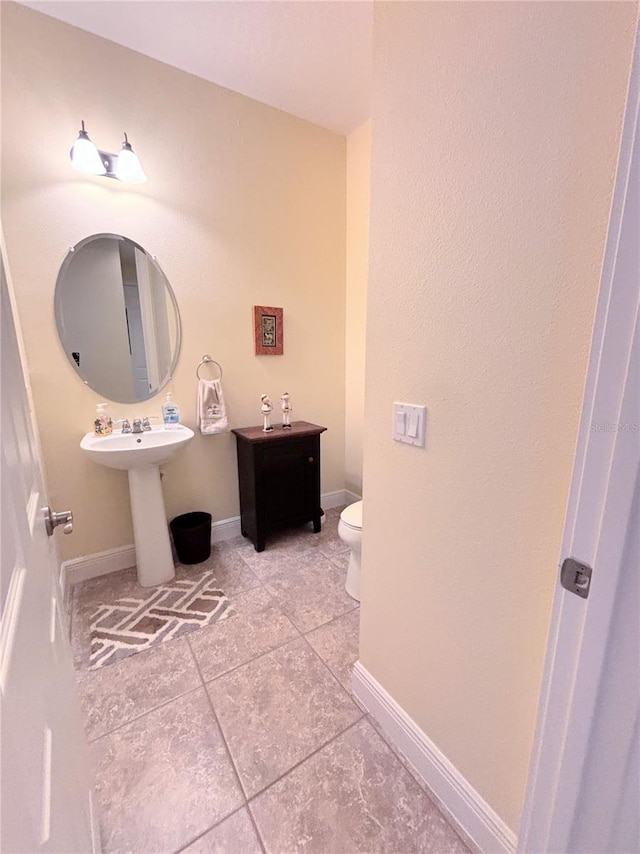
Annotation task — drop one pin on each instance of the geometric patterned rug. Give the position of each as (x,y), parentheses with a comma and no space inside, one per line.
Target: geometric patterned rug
(170,610)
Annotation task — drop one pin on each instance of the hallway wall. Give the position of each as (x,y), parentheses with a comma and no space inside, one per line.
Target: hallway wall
(496,131)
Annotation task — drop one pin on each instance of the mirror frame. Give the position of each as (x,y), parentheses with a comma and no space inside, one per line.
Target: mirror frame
(58,314)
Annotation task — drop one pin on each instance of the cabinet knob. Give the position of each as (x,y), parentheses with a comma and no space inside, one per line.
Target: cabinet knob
(310,459)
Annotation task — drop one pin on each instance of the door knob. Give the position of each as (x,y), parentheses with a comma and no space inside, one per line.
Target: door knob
(52,520)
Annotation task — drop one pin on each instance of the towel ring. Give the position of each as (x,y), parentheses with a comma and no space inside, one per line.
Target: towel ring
(206,360)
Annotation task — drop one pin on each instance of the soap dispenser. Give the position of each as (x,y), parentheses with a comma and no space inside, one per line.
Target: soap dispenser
(170,413)
(103,424)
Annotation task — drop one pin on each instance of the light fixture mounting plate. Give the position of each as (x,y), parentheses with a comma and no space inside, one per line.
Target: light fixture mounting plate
(110,164)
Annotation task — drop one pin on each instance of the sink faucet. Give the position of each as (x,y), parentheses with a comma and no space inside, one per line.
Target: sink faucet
(140,425)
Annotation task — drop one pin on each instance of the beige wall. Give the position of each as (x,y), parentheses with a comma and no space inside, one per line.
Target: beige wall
(496,128)
(244,205)
(358,180)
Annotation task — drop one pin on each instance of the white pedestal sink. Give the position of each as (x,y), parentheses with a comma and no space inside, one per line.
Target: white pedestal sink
(141,455)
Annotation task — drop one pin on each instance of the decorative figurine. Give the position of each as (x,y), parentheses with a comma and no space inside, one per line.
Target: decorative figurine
(266,410)
(287,409)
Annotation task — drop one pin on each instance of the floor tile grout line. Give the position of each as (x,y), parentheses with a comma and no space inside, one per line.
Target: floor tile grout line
(304,759)
(257,829)
(311,551)
(327,666)
(302,633)
(239,556)
(282,610)
(144,714)
(260,654)
(194,659)
(406,763)
(255,658)
(243,792)
(204,682)
(356,607)
(195,839)
(222,735)
(231,759)
(361,715)
(299,631)
(340,554)
(291,620)
(232,597)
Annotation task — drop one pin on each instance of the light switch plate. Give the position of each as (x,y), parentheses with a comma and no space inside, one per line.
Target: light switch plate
(409,424)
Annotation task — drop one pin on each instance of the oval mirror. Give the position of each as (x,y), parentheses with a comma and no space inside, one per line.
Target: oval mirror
(117,318)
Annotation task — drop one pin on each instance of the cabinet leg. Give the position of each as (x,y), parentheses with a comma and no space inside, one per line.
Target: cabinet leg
(317,525)
(260,544)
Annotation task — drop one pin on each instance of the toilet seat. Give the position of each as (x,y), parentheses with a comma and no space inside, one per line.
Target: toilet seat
(352,516)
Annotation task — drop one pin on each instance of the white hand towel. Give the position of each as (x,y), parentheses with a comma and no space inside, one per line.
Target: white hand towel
(212,413)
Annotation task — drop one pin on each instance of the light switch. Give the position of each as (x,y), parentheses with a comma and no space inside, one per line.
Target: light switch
(409,423)
(413,424)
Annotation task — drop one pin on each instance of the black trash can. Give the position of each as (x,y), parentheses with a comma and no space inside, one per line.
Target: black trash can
(192,536)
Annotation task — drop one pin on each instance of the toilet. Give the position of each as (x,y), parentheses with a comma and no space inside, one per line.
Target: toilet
(350,532)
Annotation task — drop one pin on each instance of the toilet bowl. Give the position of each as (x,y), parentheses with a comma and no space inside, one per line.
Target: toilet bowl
(350,532)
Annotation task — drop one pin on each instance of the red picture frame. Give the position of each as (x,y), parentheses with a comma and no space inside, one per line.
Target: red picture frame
(267,330)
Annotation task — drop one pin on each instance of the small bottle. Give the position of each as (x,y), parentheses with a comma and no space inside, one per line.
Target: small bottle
(103,425)
(170,413)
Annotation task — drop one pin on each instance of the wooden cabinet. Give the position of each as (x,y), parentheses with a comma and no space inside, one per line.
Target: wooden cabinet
(279,478)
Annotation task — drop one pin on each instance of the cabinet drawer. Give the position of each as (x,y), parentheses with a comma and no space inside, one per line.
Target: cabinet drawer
(282,455)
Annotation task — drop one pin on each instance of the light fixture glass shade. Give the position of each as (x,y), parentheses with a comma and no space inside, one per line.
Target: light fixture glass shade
(128,168)
(84,155)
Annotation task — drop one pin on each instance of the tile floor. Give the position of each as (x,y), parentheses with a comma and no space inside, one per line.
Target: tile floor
(243,737)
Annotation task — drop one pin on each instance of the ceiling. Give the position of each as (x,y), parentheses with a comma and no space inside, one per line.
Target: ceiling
(311,58)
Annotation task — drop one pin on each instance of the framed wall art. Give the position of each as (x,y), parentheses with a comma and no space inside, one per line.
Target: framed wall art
(267,330)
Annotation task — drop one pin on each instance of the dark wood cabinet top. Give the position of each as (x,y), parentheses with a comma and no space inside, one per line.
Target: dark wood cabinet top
(297,429)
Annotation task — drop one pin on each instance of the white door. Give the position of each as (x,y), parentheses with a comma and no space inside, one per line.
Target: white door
(583,795)
(148,324)
(141,385)
(45,791)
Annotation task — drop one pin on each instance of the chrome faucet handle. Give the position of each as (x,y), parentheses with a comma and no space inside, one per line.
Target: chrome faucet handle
(145,423)
(137,426)
(126,427)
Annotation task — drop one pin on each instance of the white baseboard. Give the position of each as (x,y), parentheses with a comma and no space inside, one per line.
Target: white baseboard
(476,819)
(227,529)
(113,560)
(101,563)
(338,498)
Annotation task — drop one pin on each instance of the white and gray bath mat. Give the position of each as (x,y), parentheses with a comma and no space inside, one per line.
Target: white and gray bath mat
(131,625)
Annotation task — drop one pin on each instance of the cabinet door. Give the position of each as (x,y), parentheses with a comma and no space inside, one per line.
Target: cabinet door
(291,481)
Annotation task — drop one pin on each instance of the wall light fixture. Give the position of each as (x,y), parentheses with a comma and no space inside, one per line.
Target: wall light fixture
(124,166)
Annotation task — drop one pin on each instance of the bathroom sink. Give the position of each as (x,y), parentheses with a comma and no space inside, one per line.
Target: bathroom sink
(140,455)
(136,450)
